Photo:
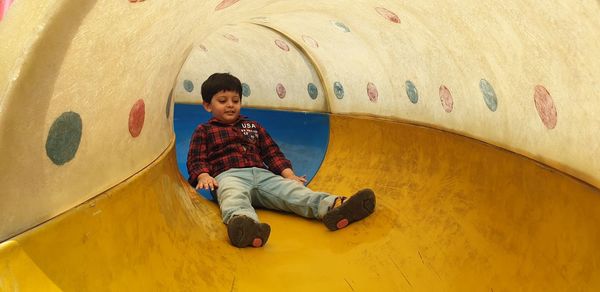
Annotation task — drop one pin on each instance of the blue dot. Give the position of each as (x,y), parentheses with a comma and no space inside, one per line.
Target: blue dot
(188,85)
(338,89)
(489,95)
(246,90)
(313,92)
(412,92)
(64,138)
(341,26)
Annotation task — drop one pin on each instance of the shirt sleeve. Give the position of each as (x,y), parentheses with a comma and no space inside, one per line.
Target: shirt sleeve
(271,154)
(197,159)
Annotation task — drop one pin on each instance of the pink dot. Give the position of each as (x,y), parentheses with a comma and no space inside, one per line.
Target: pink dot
(310,41)
(225,3)
(545,107)
(372,92)
(446,98)
(231,37)
(280,89)
(136,118)
(391,16)
(282,45)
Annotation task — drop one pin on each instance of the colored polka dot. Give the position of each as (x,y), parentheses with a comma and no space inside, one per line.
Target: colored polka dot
(137,115)
(545,107)
(411,91)
(391,16)
(446,98)
(231,37)
(282,45)
(310,41)
(489,95)
(341,26)
(313,92)
(338,90)
(246,90)
(372,92)
(64,138)
(169,101)
(225,3)
(188,85)
(280,89)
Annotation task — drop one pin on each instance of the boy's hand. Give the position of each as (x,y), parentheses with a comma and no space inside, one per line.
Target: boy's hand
(300,179)
(207,182)
(289,174)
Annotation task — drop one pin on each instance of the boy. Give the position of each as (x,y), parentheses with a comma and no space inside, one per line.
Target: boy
(236,157)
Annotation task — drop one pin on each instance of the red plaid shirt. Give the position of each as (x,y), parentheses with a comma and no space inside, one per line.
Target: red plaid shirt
(216,147)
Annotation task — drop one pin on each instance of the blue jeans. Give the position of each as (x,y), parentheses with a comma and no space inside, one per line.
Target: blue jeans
(242,188)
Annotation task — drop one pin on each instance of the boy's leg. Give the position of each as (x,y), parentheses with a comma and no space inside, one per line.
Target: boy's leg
(233,194)
(275,192)
(347,210)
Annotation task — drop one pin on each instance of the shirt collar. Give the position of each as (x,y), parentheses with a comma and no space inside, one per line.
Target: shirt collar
(214,121)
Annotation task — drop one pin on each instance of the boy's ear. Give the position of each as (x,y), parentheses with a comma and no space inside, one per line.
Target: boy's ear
(206,106)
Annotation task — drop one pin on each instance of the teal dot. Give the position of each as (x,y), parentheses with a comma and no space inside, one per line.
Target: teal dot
(188,85)
(338,89)
(489,95)
(246,90)
(313,92)
(412,92)
(64,138)
(342,26)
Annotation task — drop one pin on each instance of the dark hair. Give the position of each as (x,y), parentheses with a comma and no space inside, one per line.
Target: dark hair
(220,82)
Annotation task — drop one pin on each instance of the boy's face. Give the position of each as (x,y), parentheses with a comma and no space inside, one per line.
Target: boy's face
(225,106)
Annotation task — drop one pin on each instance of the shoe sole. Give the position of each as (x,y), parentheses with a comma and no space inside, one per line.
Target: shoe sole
(244,232)
(355,208)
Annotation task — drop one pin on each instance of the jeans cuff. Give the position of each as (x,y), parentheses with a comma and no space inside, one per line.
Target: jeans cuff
(324,206)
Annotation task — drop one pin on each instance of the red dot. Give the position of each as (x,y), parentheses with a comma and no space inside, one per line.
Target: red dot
(342,223)
(391,16)
(446,98)
(280,89)
(225,3)
(136,118)
(257,242)
(282,45)
(545,107)
(372,92)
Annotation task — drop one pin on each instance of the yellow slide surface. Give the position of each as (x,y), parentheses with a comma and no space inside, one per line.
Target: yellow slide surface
(446,219)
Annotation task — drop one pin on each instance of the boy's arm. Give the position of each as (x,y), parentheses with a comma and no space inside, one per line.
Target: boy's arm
(197,156)
(272,155)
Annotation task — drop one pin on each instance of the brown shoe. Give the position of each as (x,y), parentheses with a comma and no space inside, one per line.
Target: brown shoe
(347,210)
(243,232)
